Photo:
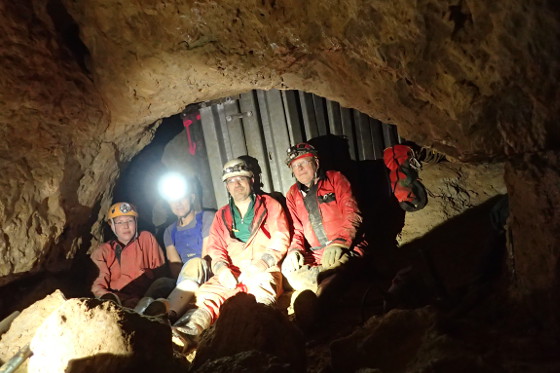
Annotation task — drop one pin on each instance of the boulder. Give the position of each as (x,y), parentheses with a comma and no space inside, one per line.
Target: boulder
(90,335)
(245,325)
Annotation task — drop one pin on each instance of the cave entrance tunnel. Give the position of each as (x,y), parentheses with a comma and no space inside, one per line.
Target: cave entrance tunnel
(438,252)
(262,125)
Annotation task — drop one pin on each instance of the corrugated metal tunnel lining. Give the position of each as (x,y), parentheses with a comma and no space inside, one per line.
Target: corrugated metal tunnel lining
(263,124)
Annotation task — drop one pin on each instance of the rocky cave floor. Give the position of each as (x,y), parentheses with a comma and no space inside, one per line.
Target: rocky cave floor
(450,309)
(470,328)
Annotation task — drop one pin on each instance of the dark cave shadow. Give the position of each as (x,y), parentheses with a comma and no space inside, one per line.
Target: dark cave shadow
(82,219)
(107,362)
(464,253)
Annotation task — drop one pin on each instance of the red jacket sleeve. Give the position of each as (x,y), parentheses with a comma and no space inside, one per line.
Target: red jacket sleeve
(217,245)
(153,259)
(351,215)
(100,285)
(298,239)
(277,224)
(156,257)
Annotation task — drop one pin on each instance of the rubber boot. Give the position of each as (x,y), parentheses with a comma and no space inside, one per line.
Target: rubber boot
(143,304)
(111,297)
(158,307)
(306,310)
(180,297)
(187,330)
(199,321)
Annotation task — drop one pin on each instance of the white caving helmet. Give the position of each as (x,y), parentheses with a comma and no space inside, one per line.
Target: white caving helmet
(236,167)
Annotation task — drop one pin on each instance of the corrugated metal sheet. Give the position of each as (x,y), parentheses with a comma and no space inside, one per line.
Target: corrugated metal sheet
(263,124)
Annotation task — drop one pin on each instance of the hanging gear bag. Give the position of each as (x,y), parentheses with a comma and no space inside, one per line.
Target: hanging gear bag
(403,167)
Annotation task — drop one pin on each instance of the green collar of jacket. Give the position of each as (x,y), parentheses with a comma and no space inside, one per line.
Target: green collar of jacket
(242,225)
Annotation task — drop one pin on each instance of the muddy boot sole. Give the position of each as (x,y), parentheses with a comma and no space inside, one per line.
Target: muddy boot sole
(306,310)
(182,343)
(157,308)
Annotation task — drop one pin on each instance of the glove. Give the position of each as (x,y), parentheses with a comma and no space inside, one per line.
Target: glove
(226,278)
(293,261)
(256,267)
(334,256)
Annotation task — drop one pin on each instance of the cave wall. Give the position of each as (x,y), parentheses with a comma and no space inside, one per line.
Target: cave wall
(82,83)
(453,189)
(533,181)
(56,162)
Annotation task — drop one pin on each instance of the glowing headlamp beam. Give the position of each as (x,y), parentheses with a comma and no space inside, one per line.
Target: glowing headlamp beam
(172,187)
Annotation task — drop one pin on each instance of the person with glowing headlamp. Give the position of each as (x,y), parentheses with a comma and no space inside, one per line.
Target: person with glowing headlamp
(185,243)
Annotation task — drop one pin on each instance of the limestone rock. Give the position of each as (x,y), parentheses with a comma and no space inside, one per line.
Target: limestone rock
(425,340)
(248,361)
(453,188)
(58,163)
(29,320)
(533,181)
(89,335)
(83,82)
(467,78)
(245,325)
(388,343)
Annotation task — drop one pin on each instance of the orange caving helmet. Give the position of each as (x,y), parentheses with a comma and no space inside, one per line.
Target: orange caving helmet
(121,209)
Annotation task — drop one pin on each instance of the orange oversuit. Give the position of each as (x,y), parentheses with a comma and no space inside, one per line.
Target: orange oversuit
(268,243)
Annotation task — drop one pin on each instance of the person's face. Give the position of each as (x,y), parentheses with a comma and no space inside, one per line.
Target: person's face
(304,170)
(183,206)
(124,228)
(239,187)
